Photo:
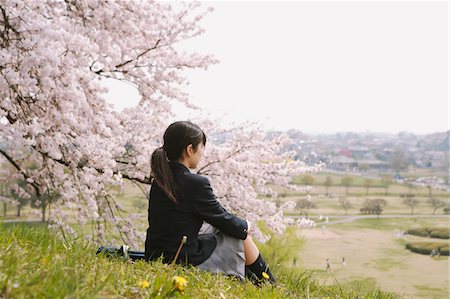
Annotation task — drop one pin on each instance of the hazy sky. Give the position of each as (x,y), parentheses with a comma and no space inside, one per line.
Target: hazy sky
(324,66)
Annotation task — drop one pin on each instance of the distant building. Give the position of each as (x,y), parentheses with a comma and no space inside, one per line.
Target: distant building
(359,152)
(343,163)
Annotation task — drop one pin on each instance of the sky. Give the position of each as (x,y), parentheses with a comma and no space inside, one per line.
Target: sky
(322,67)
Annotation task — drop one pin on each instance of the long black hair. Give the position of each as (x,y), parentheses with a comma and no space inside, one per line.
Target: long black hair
(176,138)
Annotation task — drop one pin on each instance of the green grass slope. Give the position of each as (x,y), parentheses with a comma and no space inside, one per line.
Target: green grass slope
(34,263)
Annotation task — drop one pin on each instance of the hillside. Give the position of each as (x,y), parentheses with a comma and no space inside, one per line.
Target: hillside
(37,264)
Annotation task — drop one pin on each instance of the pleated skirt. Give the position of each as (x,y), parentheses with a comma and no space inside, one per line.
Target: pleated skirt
(228,257)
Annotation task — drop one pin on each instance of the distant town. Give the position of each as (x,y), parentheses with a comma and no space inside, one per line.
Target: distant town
(375,154)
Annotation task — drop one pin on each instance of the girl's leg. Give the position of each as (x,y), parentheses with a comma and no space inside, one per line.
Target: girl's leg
(254,263)
(250,250)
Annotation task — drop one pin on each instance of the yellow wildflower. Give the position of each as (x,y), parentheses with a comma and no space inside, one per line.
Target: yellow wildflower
(143,284)
(265,275)
(44,261)
(180,283)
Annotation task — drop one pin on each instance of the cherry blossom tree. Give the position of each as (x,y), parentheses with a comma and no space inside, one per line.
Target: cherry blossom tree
(53,114)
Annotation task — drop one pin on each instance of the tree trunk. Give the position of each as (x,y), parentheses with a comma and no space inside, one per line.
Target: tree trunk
(4,209)
(44,207)
(19,207)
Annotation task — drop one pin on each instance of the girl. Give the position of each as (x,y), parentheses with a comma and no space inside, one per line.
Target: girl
(180,202)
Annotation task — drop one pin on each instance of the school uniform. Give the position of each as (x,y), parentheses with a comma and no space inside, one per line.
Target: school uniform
(217,248)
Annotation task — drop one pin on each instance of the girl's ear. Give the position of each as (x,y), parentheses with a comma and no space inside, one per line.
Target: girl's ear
(190,150)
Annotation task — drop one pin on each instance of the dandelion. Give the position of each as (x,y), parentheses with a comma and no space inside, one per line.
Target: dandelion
(143,284)
(265,275)
(43,261)
(180,283)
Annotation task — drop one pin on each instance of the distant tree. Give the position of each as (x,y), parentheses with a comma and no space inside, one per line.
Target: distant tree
(411,202)
(398,162)
(447,210)
(328,182)
(308,180)
(367,184)
(419,191)
(363,167)
(3,197)
(373,206)
(436,204)
(346,181)
(430,191)
(379,202)
(386,181)
(410,185)
(345,204)
(44,201)
(20,196)
(304,205)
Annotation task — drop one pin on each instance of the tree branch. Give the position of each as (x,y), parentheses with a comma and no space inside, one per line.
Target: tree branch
(139,56)
(146,180)
(218,161)
(26,176)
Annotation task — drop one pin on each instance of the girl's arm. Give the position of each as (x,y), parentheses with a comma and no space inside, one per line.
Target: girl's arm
(209,209)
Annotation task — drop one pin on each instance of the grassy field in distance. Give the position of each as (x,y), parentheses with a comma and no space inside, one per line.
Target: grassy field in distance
(375,253)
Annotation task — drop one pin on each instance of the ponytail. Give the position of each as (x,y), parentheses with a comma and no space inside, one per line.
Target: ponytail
(176,138)
(162,174)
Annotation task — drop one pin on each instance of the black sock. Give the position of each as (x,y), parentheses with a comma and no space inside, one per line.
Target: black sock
(259,268)
(250,275)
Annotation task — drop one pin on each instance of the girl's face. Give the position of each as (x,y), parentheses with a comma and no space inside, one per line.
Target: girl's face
(194,156)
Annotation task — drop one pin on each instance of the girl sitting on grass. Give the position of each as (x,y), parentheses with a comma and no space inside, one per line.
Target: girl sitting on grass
(181,202)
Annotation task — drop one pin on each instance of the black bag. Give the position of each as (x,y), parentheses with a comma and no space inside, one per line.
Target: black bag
(121,252)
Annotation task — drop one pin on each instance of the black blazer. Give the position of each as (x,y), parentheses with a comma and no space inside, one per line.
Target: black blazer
(169,222)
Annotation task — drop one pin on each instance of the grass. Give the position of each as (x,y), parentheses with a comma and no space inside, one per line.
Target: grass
(331,205)
(35,263)
(375,251)
(432,232)
(390,224)
(427,247)
(357,187)
(387,264)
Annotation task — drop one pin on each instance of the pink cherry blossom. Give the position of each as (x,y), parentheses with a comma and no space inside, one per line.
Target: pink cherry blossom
(53,114)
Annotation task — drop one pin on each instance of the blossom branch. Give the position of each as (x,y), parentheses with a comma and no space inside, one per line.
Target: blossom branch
(28,179)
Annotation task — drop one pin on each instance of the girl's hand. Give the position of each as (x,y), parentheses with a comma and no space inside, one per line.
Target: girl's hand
(249,227)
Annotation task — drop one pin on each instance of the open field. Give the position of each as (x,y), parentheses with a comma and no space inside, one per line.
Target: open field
(357,186)
(375,252)
(375,255)
(327,206)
